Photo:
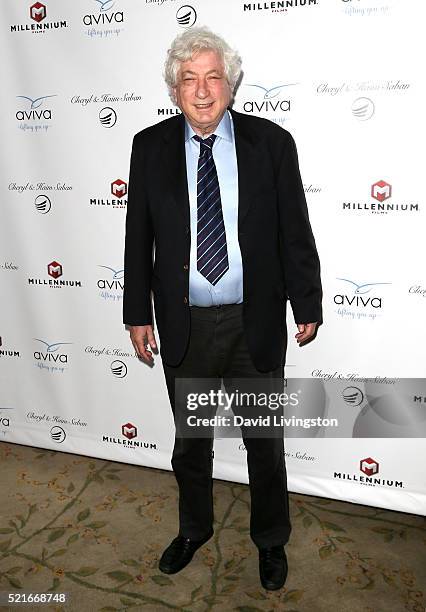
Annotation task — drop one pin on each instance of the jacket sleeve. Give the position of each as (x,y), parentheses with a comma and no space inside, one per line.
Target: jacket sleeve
(138,252)
(298,250)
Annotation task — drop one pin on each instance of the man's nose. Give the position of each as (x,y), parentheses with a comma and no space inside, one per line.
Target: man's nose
(202,89)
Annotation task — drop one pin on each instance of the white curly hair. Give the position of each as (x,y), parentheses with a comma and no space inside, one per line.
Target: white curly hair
(192,41)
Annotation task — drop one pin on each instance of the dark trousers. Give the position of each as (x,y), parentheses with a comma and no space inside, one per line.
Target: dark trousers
(217,349)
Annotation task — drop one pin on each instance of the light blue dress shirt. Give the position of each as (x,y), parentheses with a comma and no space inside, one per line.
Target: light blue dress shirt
(229,289)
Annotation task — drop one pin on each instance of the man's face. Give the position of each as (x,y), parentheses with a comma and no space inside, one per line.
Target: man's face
(202,91)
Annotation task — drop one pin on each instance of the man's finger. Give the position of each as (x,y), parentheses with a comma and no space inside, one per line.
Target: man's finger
(306,331)
(302,329)
(151,339)
(141,350)
(142,338)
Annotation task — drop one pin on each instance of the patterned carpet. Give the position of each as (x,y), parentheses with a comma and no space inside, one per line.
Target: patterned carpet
(95,529)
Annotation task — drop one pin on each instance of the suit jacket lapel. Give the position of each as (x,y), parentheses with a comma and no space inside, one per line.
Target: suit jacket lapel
(247,165)
(175,165)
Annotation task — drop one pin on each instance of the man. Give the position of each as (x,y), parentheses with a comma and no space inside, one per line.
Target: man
(220,196)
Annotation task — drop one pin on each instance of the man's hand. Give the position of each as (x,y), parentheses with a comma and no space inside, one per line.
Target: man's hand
(142,336)
(306,331)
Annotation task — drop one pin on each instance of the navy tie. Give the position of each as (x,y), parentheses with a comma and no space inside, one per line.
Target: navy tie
(212,253)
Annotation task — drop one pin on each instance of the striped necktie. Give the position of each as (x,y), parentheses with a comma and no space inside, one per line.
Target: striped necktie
(212,253)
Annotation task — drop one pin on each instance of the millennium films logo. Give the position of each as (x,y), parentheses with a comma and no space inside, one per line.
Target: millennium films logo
(51,356)
(8,351)
(38,12)
(55,271)
(106,22)
(111,285)
(34,114)
(381,191)
(129,433)
(118,188)
(369,468)
(271,102)
(186,16)
(277,7)
(168,111)
(37,21)
(359,301)
(381,202)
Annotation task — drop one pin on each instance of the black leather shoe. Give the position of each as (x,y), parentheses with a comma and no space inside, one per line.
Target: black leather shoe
(273,567)
(179,553)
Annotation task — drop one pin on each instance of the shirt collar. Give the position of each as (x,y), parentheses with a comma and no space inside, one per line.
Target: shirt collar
(223,130)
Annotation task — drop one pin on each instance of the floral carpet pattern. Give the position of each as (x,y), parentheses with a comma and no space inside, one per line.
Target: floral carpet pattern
(95,529)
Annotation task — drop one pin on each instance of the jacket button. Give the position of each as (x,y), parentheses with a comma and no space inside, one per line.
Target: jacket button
(185,267)
(185,300)
(187,229)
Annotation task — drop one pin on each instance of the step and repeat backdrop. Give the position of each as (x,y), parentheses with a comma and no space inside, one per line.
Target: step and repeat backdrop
(346,78)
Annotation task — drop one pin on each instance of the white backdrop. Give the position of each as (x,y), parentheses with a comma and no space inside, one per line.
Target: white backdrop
(344,77)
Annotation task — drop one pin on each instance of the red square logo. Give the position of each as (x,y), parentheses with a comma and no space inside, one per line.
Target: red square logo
(119,188)
(54,269)
(38,11)
(129,431)
(369,466)
(381,191)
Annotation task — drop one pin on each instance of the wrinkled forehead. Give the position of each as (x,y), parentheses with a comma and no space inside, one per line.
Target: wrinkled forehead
(202,62)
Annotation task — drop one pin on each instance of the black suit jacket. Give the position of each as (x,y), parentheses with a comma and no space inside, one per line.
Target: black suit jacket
(279,256)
